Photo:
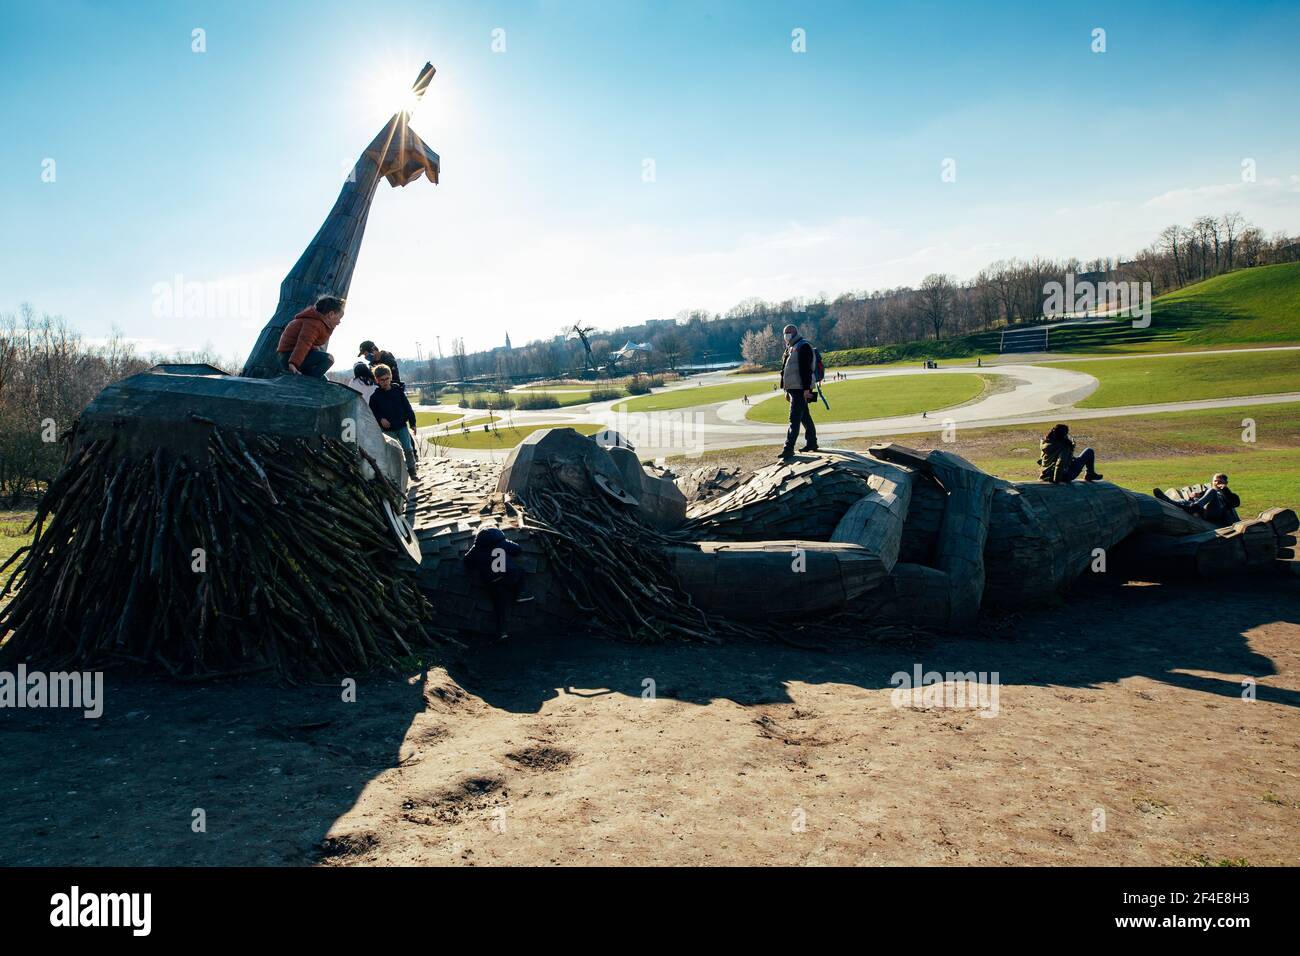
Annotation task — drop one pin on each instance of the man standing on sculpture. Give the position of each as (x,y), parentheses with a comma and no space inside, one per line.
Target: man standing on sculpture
(393,410)
(376,356)
(797,370)
(303,342)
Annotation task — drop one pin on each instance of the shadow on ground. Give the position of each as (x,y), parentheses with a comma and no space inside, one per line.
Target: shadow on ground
(273,768)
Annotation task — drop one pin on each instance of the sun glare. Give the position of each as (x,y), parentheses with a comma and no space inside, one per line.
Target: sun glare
(390,91)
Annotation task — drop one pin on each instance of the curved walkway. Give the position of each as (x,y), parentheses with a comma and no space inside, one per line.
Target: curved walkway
(1037,393)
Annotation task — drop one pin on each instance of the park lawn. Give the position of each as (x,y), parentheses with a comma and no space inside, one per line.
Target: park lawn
(507,437)
(13,534)
(1181,378)
(1142,452)
(1263,479)
(693,395)
(884,397)
(565,396)
(425,419)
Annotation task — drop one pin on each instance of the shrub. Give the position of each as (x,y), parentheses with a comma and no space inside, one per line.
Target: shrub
(533,400)
(606,394)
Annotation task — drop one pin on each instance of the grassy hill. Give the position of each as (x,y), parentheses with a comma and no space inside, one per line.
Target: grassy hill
(1259,306)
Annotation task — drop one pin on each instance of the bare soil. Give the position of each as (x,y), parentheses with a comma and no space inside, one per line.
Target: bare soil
(1122,737)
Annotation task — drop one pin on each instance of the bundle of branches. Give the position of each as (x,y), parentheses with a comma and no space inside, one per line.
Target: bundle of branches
(274,554)
(614,568)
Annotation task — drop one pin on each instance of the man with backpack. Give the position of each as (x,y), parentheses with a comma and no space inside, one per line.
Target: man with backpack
(799,369)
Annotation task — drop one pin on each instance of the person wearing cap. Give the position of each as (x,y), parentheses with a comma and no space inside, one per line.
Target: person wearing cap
(377,356)
(797,383)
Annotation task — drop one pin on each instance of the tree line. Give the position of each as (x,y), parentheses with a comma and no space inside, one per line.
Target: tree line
(48,375)
(1006,292)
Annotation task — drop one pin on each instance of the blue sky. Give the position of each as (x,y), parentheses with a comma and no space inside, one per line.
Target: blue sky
(776,173)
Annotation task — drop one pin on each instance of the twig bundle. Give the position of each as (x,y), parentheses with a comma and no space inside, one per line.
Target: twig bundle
(273,555)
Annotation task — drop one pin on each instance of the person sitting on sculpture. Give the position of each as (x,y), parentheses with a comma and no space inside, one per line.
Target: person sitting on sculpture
(491,560)
(394,413)
(377,356)
(1217,505)
(303,342)
(362,381)
(1059,462)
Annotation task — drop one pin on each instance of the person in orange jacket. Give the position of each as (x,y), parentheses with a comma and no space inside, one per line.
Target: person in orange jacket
(303,342)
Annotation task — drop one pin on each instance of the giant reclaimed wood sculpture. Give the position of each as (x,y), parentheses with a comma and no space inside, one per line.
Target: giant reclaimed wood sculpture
(207,524)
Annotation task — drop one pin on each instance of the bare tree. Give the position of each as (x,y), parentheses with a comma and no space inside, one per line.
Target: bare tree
(936,298)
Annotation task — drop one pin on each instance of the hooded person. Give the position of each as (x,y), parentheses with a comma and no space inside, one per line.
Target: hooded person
(303,342)
(491,560)
(1059,463)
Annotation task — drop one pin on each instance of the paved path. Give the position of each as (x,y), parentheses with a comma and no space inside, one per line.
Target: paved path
(1028,394)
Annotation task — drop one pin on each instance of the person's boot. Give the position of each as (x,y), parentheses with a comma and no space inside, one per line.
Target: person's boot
(1157,493)
(1095,476)
(787,454)
(810,446)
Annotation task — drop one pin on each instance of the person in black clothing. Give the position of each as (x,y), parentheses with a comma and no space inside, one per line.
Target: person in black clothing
(377,356)
(1218,505)
(491,559)
(797,382)
(394,413)
(1059,462)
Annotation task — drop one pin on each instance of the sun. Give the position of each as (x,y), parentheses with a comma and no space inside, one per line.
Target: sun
(390,90)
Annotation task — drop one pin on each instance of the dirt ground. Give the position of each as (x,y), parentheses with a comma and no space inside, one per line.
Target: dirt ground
(1121,737)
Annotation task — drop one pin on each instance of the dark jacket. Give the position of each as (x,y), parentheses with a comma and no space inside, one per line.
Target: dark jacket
(392,404)
(488,544)
(1055,458)
(387,358)
(1218,507)
(797,366)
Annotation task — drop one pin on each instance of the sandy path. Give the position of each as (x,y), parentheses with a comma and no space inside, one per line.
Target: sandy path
(546,752)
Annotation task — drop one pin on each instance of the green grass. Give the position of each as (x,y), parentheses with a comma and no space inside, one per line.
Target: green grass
(1137,451)
(507,437)
(693,395)
(882,397)
(565,396)
(1259,306)
(424,419)
(1141,381)
(12,535)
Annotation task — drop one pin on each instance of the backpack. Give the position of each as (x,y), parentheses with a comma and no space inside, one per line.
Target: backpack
(819,367)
